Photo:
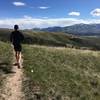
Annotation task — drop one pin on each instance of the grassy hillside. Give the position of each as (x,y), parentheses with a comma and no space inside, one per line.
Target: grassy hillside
(41,38)
(5,62)
(52,39)
(61,73)
(4,34)
(55,73)
(92,40)
(5,57)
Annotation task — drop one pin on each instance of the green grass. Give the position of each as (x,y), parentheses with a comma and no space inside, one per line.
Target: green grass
(57,73)
(62,73)
(5,59)
(5,64)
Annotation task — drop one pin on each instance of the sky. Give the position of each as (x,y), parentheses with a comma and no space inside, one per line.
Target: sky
(48,13)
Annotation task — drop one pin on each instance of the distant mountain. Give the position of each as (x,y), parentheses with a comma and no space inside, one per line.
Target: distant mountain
(77,29)
(83,29)
(53,29)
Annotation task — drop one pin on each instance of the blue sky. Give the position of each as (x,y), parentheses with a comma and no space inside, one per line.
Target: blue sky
(45,13)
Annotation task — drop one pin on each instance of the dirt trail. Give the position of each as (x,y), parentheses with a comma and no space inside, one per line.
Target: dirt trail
(13,85)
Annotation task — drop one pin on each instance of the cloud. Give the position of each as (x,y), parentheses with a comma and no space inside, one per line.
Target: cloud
(45,17)
(24,4)
(95,12)
(19,4)
(28,22)
(27,17)
(74,13)
(43,7)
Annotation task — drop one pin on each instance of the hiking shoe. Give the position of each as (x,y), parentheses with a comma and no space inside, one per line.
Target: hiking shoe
(19,66)
(15,64)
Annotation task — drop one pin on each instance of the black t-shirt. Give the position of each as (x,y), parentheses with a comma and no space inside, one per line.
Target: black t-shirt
(16,37)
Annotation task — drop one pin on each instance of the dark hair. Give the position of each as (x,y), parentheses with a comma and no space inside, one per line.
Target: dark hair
(16,27)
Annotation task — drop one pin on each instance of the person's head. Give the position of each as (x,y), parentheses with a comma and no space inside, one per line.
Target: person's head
(16,27)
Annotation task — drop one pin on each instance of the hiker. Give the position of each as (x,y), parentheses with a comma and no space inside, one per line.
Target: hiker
(16,39)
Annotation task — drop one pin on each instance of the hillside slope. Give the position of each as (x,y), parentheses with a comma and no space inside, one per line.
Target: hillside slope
(61,73)
(52,39)
(5,64)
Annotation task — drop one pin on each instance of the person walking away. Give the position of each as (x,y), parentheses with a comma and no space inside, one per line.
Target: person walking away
(16,39)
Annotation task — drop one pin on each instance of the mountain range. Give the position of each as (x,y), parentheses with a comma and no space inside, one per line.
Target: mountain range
(77,29)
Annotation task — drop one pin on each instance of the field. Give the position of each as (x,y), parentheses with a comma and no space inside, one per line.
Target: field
(61,73)
(5,62)
(5,57)
(53,69)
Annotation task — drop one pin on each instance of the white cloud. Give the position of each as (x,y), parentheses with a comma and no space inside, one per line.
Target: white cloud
(19,4)
(27,17)
(74,13)
(45,17)
(27,22)
(95,12)
(43,7)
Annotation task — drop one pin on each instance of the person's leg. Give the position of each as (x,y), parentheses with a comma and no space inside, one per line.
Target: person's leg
(15,53)
(18,58)
(18,54)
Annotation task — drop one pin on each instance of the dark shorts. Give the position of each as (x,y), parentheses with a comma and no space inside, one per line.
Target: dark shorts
(17,47)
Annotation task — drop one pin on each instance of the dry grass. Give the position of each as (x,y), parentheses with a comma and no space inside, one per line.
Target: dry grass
(62,73)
